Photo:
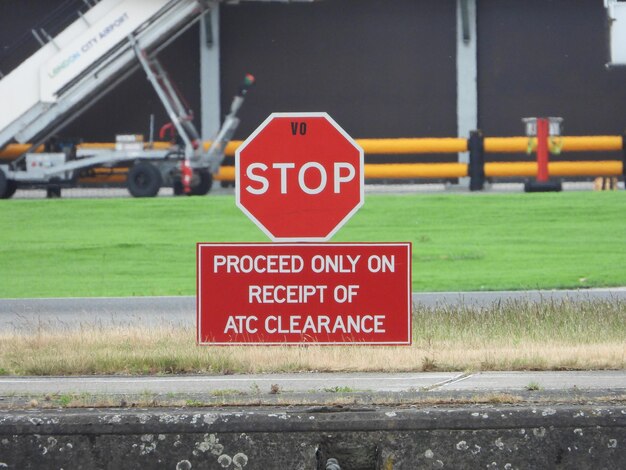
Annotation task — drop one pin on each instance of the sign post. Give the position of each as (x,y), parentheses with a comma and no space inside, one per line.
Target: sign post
(300,178)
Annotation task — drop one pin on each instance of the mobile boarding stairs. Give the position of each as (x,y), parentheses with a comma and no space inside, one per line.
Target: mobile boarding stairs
(101,47)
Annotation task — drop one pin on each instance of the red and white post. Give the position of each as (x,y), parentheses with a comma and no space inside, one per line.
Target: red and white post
(542,128)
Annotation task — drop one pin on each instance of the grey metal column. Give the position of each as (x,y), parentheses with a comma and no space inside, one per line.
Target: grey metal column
(466,74)
(210,72)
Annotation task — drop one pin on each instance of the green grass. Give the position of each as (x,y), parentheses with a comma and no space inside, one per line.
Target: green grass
(339,389)
(136,247)
(533,387)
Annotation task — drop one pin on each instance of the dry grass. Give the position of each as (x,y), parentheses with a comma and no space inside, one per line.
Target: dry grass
(512,336)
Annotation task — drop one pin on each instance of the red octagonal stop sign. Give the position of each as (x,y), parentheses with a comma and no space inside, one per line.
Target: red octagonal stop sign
(299,176)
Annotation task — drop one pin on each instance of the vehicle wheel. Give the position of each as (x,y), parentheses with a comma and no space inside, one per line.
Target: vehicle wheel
(4,185)
(53,191)
(201,182)
(144,180)
(10,190)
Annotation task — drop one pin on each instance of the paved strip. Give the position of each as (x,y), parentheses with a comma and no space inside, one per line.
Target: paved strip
(76,313)
(72,313)
(298,383)
(542,380)
(99,306)
(320,382)
(485,299)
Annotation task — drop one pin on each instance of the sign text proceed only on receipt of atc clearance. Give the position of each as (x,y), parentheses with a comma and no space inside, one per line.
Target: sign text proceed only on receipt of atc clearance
(300,177)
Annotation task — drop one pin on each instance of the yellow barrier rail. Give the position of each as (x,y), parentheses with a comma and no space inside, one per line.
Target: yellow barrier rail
(529,169)
(460,170)
(370,146)
(596,143)
(416,170)
(409,146)
(414,145)
(15,150)
(400,146)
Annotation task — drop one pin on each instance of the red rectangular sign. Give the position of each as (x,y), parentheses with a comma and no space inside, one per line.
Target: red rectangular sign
(294,293)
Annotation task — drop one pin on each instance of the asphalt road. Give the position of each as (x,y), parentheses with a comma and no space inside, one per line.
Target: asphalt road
(70,313)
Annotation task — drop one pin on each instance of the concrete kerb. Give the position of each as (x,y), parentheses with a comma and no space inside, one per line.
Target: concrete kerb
(468,437)
(318,419)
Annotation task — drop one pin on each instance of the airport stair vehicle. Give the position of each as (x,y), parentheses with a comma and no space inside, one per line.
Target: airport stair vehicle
(106,41)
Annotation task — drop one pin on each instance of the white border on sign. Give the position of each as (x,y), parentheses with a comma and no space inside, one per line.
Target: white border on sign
(409,287)
(361,178)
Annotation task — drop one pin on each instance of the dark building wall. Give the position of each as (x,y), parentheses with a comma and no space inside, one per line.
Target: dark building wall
(547,58)
(380,68)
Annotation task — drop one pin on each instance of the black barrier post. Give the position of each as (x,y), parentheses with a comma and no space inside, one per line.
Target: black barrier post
(476,160)
(624,158)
